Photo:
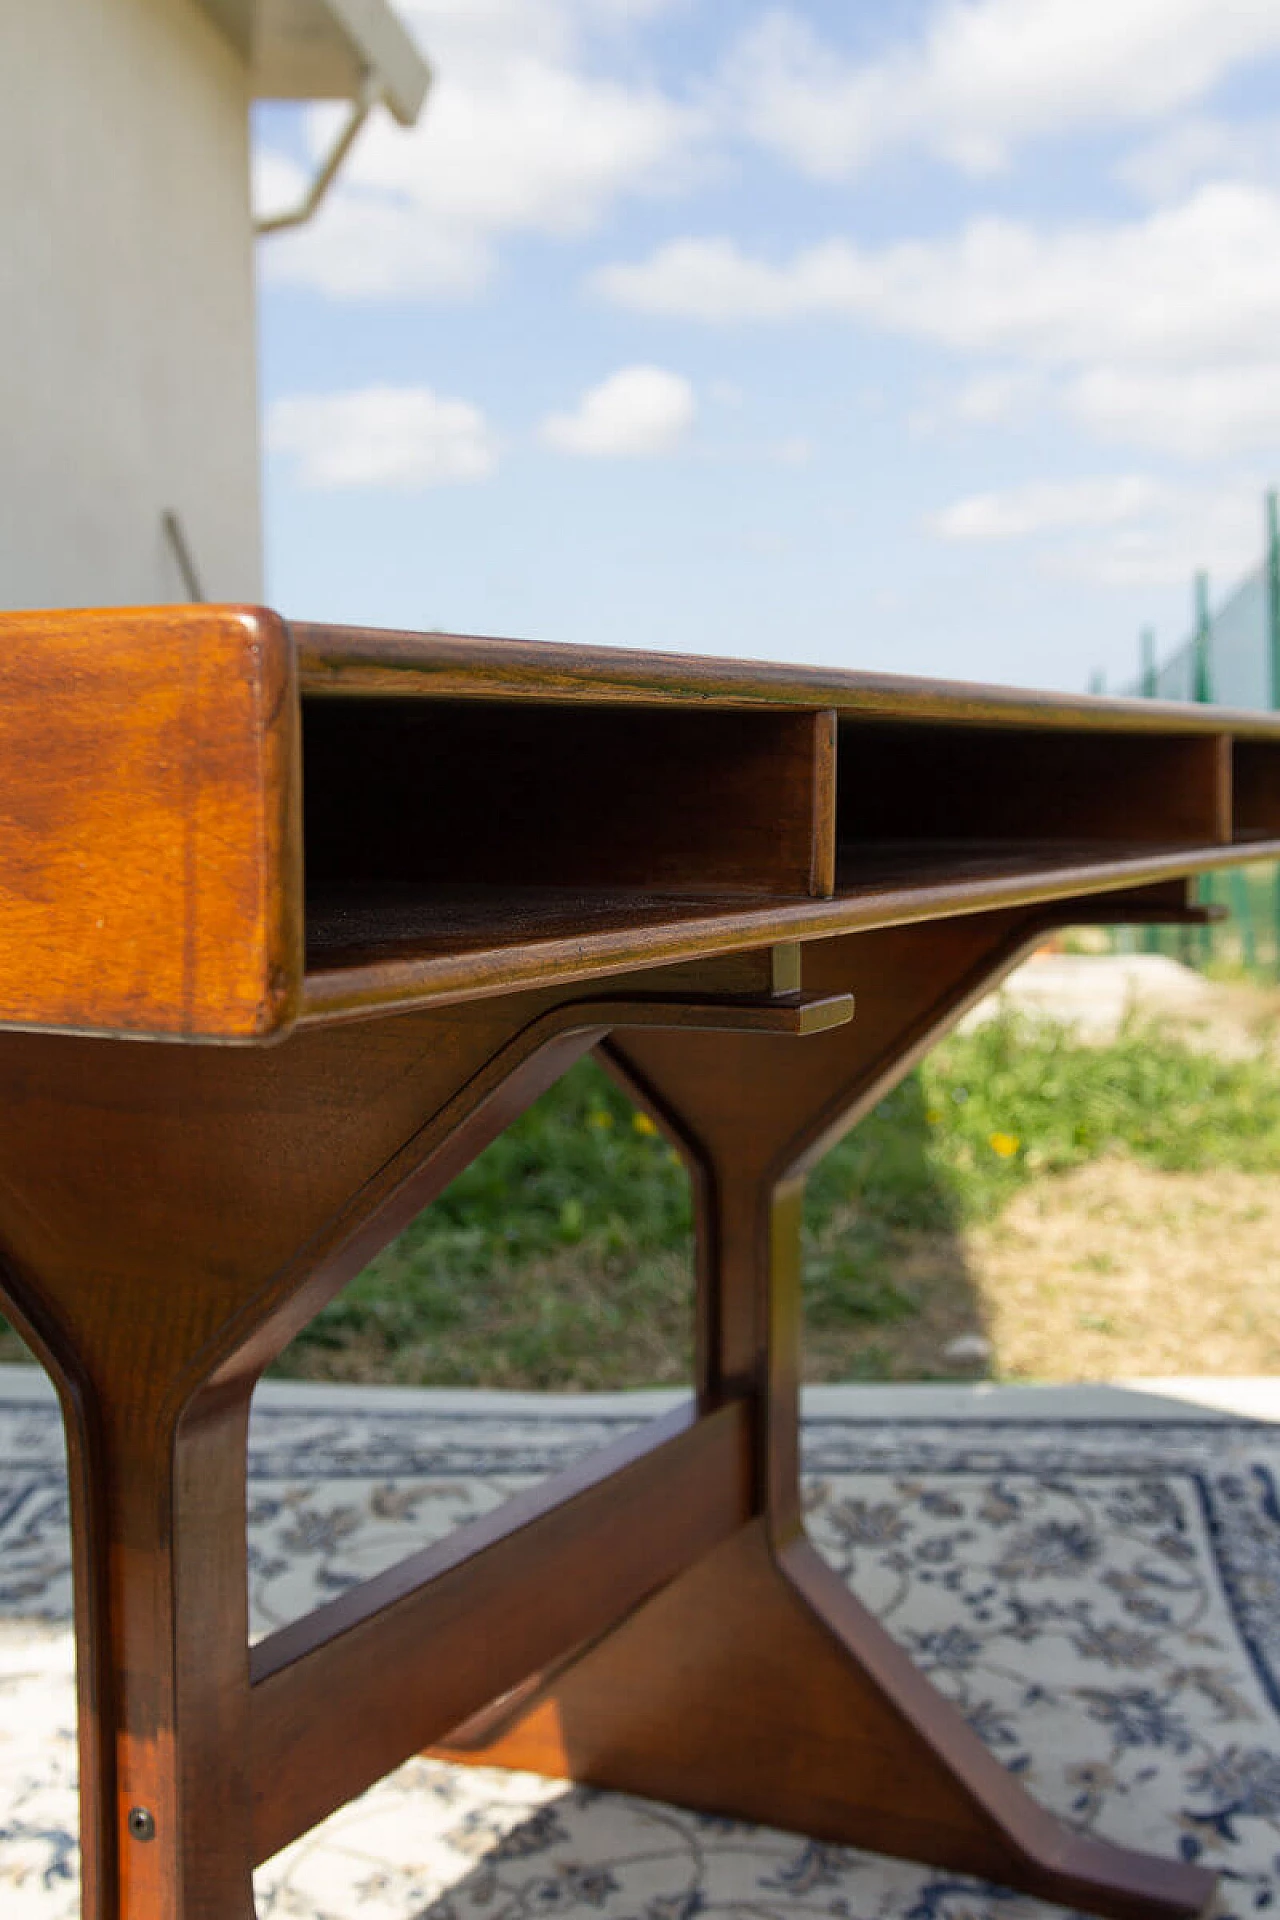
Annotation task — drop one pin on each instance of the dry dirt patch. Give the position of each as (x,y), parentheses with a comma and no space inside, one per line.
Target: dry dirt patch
(1118,1269)
(1111,1271)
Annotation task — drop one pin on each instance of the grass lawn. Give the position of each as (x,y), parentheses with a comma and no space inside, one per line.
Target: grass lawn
(1079,1206)
(1091,1211)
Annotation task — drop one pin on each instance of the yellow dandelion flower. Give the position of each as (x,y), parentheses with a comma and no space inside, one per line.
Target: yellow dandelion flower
(933,1116)
(1005,1144)
(642,1123)
(600,1118)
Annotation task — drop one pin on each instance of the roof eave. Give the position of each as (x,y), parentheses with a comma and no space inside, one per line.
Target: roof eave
(326,50)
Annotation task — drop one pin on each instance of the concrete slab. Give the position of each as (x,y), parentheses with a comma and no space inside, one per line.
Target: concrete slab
(1172,1399)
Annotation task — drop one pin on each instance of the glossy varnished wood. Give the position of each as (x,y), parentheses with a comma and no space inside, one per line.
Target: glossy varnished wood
(337,662)
(507,824)
(150,866)
(493,1603)
(525,943)
(754,1686)
(170,1216)
(220,826)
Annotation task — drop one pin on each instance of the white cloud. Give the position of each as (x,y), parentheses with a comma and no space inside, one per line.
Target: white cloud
(1216,530)
(1114,530)
(712,280)
(519,134)
(1207,412)
(1198,413)
(557,29)
(366,247)
(522,144)
(985,75)
(1201,278)
(1046,506)
(401,437)
(1002,393)
(1116,320)
(637,411)
(1201,149)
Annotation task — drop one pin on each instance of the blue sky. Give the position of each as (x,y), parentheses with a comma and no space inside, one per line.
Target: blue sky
(938,336)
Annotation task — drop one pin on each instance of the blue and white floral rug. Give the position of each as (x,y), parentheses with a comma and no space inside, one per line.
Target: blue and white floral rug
(1100,1597)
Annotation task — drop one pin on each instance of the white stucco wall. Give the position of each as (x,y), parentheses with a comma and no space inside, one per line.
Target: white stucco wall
(127,352)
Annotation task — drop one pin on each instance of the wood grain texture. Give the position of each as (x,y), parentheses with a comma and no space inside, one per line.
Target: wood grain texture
(942,786)
(495,947)
(492,1603)
(756,1688)
(363,662)
(501,796)
(484,818)
(169,1218)
(149,859)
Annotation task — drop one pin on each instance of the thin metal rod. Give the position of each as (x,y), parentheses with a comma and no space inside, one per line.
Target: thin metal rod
(177,539)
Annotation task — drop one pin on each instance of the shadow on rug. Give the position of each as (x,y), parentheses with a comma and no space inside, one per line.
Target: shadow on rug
(1101,1600)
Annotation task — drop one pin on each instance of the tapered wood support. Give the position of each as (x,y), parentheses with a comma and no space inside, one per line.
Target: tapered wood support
(164,1665)
(169,1217)
(755,1686)
(391,857)
(556,1565)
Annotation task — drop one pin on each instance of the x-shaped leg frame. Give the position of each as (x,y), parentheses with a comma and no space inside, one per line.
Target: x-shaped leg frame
(653,1619)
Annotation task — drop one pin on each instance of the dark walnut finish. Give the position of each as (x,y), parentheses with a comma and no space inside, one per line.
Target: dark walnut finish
(149,820)
(294,924)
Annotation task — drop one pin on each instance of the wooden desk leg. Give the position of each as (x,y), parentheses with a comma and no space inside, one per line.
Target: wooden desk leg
(168,1217)
(171,1643)
(157,1518)
(755,1686)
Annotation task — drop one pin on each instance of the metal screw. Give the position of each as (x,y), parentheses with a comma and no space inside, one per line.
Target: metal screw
(142,1823)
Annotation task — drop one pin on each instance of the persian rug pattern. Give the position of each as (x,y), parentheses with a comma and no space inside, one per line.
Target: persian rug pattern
(1101,1600)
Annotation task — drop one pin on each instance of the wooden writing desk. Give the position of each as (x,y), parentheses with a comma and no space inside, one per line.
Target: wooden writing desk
(292,923)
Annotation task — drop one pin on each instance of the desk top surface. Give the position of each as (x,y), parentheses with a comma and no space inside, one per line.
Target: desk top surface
(355,662)
(219,827)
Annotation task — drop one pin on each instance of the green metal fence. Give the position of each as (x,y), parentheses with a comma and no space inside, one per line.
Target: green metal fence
(1232,658)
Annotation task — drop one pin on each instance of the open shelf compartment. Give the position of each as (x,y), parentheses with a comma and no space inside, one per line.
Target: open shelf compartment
(446,825)
(461,846)
(923,802)
(1256,784)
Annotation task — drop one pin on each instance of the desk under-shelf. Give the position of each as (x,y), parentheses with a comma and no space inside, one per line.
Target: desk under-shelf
(294,922)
